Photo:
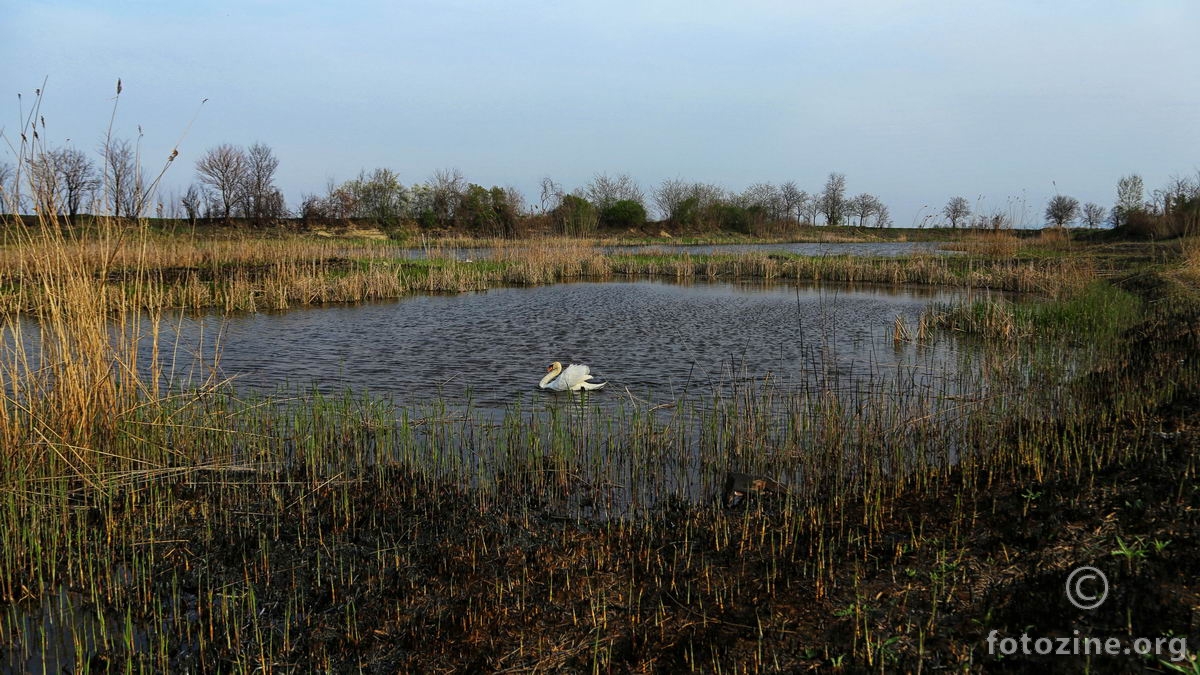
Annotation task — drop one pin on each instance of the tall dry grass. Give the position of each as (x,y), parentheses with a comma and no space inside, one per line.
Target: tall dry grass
(1055,238)
(1190,252)
(991,243)
(1001,243)
(72,361)
(550,260)
(254,274)
(75,371)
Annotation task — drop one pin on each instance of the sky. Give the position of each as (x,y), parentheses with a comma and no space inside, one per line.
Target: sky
(1004,102)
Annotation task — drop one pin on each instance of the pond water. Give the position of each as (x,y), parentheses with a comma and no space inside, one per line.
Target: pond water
(64,634)
(648,338)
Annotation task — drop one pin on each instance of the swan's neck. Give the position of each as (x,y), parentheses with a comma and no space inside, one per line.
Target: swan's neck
(549,377)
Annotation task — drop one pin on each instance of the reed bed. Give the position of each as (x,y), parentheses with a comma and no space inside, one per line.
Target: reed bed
(1003,244)
(1050,277)
(93,250)
(247,274)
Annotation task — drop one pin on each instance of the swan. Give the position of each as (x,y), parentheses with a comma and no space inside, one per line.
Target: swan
(574,378)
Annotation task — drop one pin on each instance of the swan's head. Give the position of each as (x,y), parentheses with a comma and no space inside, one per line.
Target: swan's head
(552,372)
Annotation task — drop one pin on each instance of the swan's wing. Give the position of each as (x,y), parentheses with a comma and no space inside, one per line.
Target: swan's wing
(574,374)
(577,375)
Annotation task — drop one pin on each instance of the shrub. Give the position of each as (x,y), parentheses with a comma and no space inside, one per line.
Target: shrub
(739,219)
(624,214)
(575,216)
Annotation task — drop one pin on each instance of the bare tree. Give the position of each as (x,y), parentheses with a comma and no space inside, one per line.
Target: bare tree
(863,206)
(223,169)
(1093,214)
(446,190)
(668,197)
(136,197)
(77,179)
(793,199)
(1062,210)
(340,202)
(7,193)
(765,197)
(551,194)
(171,205)
(313,209)
(379,196)
(688,204)
(882,217)
(192,201)
(833,199)
(122,179)
(260,198)
(997,220)
(1130,195)
(604,191)
(1178,190)
(43,184)
(957,210)
(810,209)
(60,180)
(515,200)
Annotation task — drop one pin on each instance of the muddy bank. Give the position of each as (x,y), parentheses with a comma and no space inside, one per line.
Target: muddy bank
(390,573)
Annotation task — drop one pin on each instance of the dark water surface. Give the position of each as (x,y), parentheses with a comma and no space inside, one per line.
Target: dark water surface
(654,339)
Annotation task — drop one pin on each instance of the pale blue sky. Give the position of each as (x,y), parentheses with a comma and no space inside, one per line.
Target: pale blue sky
(914,101)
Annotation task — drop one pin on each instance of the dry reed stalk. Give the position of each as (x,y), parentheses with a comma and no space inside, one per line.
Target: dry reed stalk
(1000,243)
(1054,238)
(246,273)
(1190,251)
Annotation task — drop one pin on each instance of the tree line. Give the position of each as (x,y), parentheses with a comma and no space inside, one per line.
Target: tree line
(238,183)
(67,181)
(1172,210)
(448,200)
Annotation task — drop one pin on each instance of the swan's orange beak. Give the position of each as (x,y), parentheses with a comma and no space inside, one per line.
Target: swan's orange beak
(549,368)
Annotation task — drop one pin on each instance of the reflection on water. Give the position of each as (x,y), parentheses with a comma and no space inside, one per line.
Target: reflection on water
(650,338)
(65,634)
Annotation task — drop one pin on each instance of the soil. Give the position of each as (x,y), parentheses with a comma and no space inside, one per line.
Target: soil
(512,586)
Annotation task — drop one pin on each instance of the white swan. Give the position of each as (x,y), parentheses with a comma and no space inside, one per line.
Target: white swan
(574,378)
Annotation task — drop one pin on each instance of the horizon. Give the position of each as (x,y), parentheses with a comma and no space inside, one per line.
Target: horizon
(1005,104)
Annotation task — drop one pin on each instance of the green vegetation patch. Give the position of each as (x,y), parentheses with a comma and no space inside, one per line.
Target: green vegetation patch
(1099,312)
